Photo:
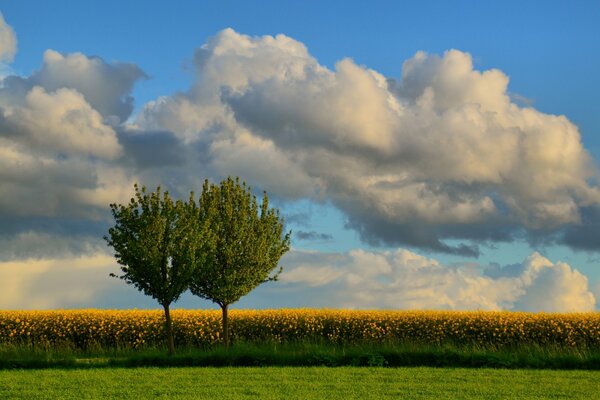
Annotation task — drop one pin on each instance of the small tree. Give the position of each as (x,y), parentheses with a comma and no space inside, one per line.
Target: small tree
(246,244)
(156,241)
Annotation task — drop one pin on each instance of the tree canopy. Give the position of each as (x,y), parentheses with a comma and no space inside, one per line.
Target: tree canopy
(245,241)
(157,242)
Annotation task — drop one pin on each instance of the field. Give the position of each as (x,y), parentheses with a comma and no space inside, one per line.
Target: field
(288,353)
(84,329)
(111,338)
(298,383)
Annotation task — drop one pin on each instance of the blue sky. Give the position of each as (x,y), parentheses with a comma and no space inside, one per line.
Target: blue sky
(535,43)
(550,52)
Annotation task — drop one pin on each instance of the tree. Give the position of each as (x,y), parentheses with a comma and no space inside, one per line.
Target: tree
(246,242)
(156,241)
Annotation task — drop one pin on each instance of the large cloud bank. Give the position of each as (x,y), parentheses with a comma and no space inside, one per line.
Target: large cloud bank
(441,153)
(438,159)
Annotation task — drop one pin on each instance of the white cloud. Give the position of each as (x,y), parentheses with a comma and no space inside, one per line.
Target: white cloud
(64,282)
(105,86)
(596,289)
(8,41)
(357,279)
(61,154)
(47,185)
(62,121)
(441,153)
(554,287)
(405,280)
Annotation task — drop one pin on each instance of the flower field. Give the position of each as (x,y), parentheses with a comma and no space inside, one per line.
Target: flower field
(84,329)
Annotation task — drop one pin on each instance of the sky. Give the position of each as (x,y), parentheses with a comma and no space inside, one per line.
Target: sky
(435,155)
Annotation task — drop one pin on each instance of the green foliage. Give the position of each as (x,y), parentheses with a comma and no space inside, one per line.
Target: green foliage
(221,248)
(157,242)
(243,240)
(244,243)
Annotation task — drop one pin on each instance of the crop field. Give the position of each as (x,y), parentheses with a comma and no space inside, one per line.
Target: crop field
(83,329)
(298,383)
(289,353)
(300,337)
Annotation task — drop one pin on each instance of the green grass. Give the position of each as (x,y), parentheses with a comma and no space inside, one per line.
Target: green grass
(298,383)
(305,354)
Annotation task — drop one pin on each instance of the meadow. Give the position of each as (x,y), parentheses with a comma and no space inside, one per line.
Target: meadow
(298,383)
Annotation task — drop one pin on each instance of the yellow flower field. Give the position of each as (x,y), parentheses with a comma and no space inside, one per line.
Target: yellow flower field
(201,328)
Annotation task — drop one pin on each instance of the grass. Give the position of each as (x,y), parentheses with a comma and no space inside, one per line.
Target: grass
(298,383)
(305,354)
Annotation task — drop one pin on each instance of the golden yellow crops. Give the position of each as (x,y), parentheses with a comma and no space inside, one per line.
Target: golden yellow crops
(135,328)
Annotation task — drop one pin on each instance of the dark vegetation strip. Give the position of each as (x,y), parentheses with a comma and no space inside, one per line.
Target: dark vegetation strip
(302,355)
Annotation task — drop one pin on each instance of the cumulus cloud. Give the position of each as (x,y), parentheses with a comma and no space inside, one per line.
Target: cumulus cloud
(59,135)
(71,277)
(312,235)
(50,185)
(40,271)
(8,41)
(402,279)
(440,153)
(62,121)
(61,156)
(218,143)
(105,86)
(63,282)
(39,244)
(68,281)
(61,159)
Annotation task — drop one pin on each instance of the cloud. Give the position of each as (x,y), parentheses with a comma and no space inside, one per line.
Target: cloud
(61,159)
(439,158)
(61,155)
(70,279)
(312,235)
(63,282)
(586,235)
(106,87)
(402,279)
(8,41)
(60,148)
(62,121)
(152,150)
(50,185)
(440,153)
(39,245)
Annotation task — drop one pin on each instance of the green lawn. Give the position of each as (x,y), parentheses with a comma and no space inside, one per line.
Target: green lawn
(298,383)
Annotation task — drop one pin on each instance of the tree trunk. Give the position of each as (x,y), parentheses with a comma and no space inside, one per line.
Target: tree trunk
(169,326)
(225,326)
